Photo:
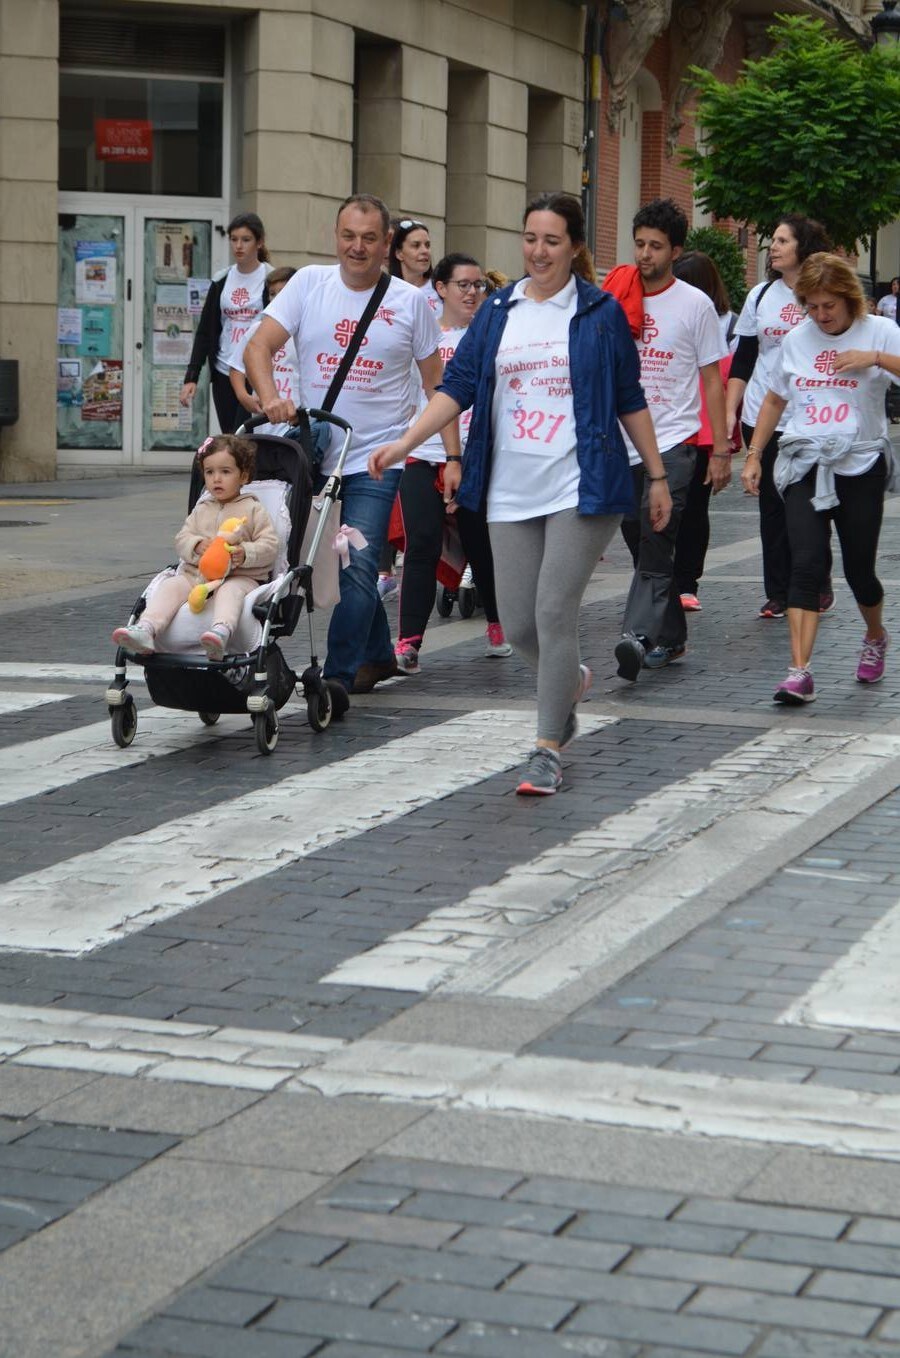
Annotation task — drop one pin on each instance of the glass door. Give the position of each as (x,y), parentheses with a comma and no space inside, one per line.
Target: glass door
(132,282)
(172,279)
(92,406)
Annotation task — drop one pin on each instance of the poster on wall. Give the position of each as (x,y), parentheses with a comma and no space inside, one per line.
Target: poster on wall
(68,325)
(103,392)
(95,272)
(173,334)
(68,382)
(197,288)
(167,414)
(173,252)
(96,327)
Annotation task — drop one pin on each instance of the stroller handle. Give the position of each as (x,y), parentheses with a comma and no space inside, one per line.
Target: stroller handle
(256,420)
(330,418)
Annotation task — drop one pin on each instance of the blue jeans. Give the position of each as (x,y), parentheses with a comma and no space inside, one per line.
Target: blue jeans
(359,633)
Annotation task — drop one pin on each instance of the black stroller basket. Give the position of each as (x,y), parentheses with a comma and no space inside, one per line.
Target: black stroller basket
(259,682)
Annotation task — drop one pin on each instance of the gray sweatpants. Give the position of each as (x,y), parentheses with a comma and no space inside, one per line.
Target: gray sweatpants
(541,568)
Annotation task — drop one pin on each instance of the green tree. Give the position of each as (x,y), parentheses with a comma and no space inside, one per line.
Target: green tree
(727,256)
(811,128)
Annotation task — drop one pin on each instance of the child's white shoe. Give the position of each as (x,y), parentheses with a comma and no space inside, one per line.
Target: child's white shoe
(137,639)
(214,643)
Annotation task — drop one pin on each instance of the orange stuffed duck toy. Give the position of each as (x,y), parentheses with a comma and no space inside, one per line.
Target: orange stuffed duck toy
(215,563)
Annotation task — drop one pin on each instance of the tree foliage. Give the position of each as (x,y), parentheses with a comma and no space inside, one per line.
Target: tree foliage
(727,256)
(811,128)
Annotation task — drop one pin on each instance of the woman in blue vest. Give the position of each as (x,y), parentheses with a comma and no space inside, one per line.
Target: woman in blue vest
(549,367)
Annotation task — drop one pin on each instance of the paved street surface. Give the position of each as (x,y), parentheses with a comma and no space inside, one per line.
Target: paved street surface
(350,1052)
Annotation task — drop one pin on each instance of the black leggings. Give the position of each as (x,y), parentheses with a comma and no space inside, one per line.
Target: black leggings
(423,509)
(857,519)
(229,411)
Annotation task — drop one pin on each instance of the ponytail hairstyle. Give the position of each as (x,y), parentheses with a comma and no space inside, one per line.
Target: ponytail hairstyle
(403,227)
(810,235)
(254,225)
(567,206)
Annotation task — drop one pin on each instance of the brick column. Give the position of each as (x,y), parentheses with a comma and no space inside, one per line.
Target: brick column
(297,156)
(487,166)
(29,101)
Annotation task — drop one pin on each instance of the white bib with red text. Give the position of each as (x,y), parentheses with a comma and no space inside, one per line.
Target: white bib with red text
(534,469)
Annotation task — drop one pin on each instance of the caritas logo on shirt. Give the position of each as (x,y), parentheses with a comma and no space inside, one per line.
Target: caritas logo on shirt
(824,362)
(649,332)
(240,297)
(792,314)
(343,333)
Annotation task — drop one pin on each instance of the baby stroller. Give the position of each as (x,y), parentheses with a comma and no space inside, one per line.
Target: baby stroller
(256,679)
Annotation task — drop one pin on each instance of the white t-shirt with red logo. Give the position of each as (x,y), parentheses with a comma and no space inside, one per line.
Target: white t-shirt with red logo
(430,293)
(378,396)
(433,450)
(240,304)
(823,403)
(285,371)
(534,467)
(680,335)
(769,313)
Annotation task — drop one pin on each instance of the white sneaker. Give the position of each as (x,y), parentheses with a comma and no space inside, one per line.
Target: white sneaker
(468,580)
(137,639)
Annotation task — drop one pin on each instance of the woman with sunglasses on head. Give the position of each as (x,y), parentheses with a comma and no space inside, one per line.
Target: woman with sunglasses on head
(549,368)
(835,459)
(409,258)
(234,301)
(426,480)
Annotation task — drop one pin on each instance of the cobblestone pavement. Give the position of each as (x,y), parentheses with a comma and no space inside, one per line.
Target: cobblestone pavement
(350,1052)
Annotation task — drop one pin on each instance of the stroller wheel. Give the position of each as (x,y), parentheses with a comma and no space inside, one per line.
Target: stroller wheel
(265,725)
(319,708)
(208,718)
(444,601)
(124,723)
(466,601)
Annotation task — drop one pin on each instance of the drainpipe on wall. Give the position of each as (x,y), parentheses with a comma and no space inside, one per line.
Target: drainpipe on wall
(590,146)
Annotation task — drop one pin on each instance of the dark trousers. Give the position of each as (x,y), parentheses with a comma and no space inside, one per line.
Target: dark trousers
(693,531)
(776,549)
(229,411)
(653,609)
(857,519)
(423,509)
(476,542)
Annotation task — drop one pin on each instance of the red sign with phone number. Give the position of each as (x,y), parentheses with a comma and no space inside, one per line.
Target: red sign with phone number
(126,140)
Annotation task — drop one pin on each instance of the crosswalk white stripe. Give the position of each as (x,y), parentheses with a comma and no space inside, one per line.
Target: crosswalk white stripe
(11,702)
(89,900)
(65,674)
(861,990)
(34,767)
(450,949)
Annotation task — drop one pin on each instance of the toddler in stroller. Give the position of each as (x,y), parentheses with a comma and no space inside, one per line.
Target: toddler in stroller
(227,464)
(228,660)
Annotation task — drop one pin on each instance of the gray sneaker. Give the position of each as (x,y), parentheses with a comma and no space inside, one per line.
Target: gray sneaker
(630,655)
(542,775)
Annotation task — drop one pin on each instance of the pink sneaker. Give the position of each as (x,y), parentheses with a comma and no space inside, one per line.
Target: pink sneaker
(406,654)
(871,662)
(497,645)
(797,688)
(691,604)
